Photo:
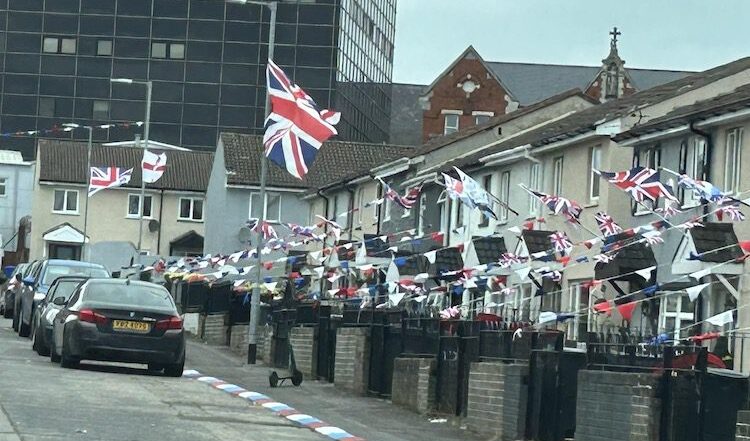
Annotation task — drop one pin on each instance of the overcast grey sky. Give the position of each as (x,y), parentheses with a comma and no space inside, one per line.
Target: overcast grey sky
(663,34)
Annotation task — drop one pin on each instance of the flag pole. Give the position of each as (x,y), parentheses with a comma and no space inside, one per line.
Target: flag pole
(141,202)
(252,329)
(89,144)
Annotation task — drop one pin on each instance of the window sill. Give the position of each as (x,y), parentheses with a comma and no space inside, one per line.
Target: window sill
(136,217)
(66,213)
(195,221)
(591,204)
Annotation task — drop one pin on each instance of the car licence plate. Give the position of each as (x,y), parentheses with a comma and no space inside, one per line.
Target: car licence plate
(130,326)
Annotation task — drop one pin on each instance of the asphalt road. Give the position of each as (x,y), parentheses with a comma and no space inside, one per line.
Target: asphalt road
(40,400)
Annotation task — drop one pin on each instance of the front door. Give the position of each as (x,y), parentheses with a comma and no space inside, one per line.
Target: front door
(64,251)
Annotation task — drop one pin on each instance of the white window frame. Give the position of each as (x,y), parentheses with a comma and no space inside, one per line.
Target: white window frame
(697,158)
(595,163)
(677,315)
(484,220)
(65,201)
(192,209)
(360,204)
(479,113)
(557,176)
(535,178)
(265,207)
(733,160)
(648,158)
(420,217)
(504,196)
(576,289)
(3,187)
(147,199)
(387,204)
(448,129)
(444,211)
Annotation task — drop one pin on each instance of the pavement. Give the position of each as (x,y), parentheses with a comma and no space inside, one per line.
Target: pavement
(374,419)
(40,400)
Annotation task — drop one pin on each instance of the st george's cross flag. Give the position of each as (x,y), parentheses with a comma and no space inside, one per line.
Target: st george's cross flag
(296,128)
(108,177)
(153,166)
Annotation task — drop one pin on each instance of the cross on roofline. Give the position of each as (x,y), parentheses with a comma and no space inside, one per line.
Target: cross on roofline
(614,33)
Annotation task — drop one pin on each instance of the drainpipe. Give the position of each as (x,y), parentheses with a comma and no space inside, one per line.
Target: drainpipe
(379,194)
(350,214)
(706,170)
(158,234)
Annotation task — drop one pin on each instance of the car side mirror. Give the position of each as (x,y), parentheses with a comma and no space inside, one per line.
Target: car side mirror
(59,301)
(18,277)
(29,281)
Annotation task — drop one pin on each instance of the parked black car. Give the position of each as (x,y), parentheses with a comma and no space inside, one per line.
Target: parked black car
(13,284)
(39,280)
(31,268)
(120,320)
(47,310)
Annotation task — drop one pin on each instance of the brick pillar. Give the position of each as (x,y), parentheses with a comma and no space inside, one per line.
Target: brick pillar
(215,329)
(414,382)
(264,343)
(498,396)
(617,406)
(305,347)
(352,359)
(238,339)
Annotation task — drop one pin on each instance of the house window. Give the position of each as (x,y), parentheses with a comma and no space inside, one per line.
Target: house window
(65,202)
(104,47)
(649,158)
(482,117)
(596,162)
(3,186)
(487,184)
(55,45)
(579,301)
(134,205)
(360,205)
(387,205)
(677,313)
(191,209)
(732,161)
(451,123)
(270,211)
(46,106)
(504,196)
(175,51)
(422,210)
(697,164)
(535,175)
(100,110)
(557,176)
(444,212)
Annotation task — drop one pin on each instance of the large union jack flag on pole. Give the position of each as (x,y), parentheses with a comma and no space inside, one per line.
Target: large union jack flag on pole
(296,127)
(108,177)
(639,182)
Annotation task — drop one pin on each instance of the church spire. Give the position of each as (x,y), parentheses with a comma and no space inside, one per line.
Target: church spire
(613,65)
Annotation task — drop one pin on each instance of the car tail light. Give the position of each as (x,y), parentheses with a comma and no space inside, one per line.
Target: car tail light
(170,323)
(89,316)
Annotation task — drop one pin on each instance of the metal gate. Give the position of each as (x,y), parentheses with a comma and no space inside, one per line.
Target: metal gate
(326,344)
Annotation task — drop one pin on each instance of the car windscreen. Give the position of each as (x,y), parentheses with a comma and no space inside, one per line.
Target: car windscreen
(55,271)
(118,295)
(65,288)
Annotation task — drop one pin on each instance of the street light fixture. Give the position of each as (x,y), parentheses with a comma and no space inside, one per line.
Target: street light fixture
(252,329)
(89,144)
(147,121)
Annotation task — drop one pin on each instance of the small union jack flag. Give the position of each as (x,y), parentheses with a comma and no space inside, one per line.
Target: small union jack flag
(108,177)
(559,205)
(555,276)
(606,224)
(670,209)
(733,212)
(689,224)
(603,258)
(639,182)
(561,241)
(653,238)
(407,201)
(508,259)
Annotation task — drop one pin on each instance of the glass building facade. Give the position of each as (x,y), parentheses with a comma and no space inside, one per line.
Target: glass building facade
(206,59)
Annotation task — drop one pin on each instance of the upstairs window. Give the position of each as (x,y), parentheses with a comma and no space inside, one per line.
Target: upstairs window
(557,176)
(191,209)
(733,158)
(270,211)
(451,121)
(134,209)
(65,202)
(504,196)
(3,186)
(594,180)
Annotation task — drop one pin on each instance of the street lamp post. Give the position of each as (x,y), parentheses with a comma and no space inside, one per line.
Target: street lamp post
(252,329)
(147,124)
(89,144)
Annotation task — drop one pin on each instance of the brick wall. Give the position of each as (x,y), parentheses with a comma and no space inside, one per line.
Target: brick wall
(743,426)
(215,329)
(414,381)
(617,406)
(305,347)
(264,344)
(238,339)
(352,368)
(498,396)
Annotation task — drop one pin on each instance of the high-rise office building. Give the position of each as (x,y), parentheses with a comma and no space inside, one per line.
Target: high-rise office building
(206,59)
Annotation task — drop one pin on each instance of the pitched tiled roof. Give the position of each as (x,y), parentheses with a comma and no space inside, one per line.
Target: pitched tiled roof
(537,241)
(716,236)
(731,102)
(337,161)
(632,257)
(586,120)
(530,82)
(65,161)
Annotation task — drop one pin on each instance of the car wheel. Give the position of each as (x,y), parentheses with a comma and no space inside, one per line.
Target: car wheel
(175,370)
(53,357)
(23,330)
(155,367)
(15,319)
(7,313)
(66,360)
(38,343)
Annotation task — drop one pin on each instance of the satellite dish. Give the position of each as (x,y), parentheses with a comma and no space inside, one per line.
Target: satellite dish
(153,225)
(245,234)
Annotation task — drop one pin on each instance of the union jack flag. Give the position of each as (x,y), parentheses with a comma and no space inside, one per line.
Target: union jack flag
(603,258)
(653,238)
(108,177)
(407,201)
(559,205)
(263,228)
(733,212)
(561,241)
(296,127)
(508,259)
(639,182)
(670,209)
(703,189)
(606,224)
